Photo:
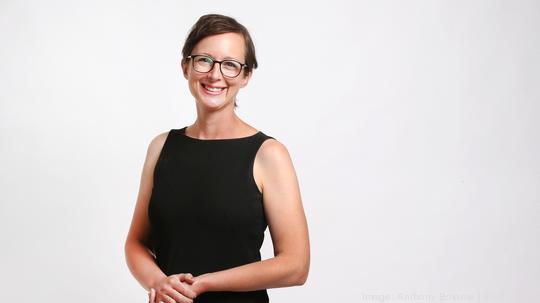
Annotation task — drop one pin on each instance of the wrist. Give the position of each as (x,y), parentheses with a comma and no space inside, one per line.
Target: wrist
(201,284)
(154,281)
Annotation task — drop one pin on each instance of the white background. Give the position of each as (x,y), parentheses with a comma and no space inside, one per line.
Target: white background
(413,127)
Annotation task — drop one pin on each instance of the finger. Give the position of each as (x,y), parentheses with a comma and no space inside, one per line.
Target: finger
(186,278)
(180,293)
(166,299)
(174,297)
(184,289)
(152,295)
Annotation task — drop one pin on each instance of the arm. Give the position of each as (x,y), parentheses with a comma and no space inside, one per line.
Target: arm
(287,225)
(139,258)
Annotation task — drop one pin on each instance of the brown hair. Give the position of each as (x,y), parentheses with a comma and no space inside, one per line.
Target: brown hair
(214,24)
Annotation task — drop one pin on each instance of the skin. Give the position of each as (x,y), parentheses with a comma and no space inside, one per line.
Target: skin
(274,174)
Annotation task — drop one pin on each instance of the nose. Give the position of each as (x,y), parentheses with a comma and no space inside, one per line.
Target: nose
(215,73)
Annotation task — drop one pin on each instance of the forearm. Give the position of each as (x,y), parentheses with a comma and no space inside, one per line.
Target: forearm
(142,264)
(270,273)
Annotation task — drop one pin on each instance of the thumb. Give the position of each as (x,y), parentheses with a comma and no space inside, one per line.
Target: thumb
(189,277)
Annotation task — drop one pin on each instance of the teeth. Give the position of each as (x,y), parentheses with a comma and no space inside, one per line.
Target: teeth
(213,89)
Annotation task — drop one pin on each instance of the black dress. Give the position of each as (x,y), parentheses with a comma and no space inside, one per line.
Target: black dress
(206,212)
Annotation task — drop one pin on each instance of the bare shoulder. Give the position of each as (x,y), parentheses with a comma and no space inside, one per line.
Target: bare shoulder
(156,144)
(152,156)
(272,162)
(271,151)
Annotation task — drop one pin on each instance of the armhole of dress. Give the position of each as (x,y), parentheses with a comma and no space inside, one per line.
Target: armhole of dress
(161,153)
(252,166)
(156,167)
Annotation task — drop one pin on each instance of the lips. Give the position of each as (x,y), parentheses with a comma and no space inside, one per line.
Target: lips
(213,90)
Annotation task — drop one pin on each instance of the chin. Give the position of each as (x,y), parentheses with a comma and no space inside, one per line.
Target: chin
(212,103)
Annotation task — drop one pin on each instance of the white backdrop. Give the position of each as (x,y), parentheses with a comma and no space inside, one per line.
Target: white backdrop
(413,127)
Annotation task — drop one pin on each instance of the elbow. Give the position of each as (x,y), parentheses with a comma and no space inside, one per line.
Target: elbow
(136,245)
(297,269)
(302,278)
(128,246)
(301,274)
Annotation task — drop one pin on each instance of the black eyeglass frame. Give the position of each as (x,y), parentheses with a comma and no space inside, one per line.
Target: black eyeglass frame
(242,65)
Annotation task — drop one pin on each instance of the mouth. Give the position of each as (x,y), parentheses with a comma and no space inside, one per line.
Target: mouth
(213,90)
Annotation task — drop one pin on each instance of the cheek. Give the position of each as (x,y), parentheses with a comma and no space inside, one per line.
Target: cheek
(194,87)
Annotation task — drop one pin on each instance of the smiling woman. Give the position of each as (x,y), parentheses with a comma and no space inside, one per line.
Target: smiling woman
(209,190)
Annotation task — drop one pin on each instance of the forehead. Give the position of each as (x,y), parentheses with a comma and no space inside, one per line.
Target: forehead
(222,46)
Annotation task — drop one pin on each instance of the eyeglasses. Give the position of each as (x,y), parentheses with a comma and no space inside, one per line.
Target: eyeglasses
(204,64)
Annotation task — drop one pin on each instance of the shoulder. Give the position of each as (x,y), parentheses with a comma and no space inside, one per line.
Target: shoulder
(156,144)
(276,171)
(273,153)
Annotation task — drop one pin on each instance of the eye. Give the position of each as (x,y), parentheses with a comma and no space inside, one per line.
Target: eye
(231,64)
(203,59)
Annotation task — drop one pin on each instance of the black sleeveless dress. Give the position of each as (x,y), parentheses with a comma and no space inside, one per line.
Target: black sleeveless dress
(206,212)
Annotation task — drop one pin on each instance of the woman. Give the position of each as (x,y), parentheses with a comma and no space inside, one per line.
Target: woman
(209,190)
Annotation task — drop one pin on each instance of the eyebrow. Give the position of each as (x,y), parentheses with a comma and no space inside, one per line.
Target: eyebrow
(223,58)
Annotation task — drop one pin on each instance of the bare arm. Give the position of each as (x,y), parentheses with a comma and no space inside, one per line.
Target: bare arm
(287,225)
(139,258)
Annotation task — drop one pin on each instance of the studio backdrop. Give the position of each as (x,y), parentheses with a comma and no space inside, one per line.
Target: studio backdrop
(413,127)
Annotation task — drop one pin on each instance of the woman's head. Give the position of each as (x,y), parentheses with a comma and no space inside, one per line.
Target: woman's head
(220,37)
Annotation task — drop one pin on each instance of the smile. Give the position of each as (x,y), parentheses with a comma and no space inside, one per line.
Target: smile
(213,90)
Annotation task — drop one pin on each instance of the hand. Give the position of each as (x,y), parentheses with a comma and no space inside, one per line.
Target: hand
(173,289)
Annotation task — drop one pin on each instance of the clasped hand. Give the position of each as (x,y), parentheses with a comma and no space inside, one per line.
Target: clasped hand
(177,288)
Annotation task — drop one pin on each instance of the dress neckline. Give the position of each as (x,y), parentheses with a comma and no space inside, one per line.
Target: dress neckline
(183,133)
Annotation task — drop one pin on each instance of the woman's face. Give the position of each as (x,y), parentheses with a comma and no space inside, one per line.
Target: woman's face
(219,47)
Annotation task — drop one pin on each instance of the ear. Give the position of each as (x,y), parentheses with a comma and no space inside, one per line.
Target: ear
(246,79)
(184,67)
